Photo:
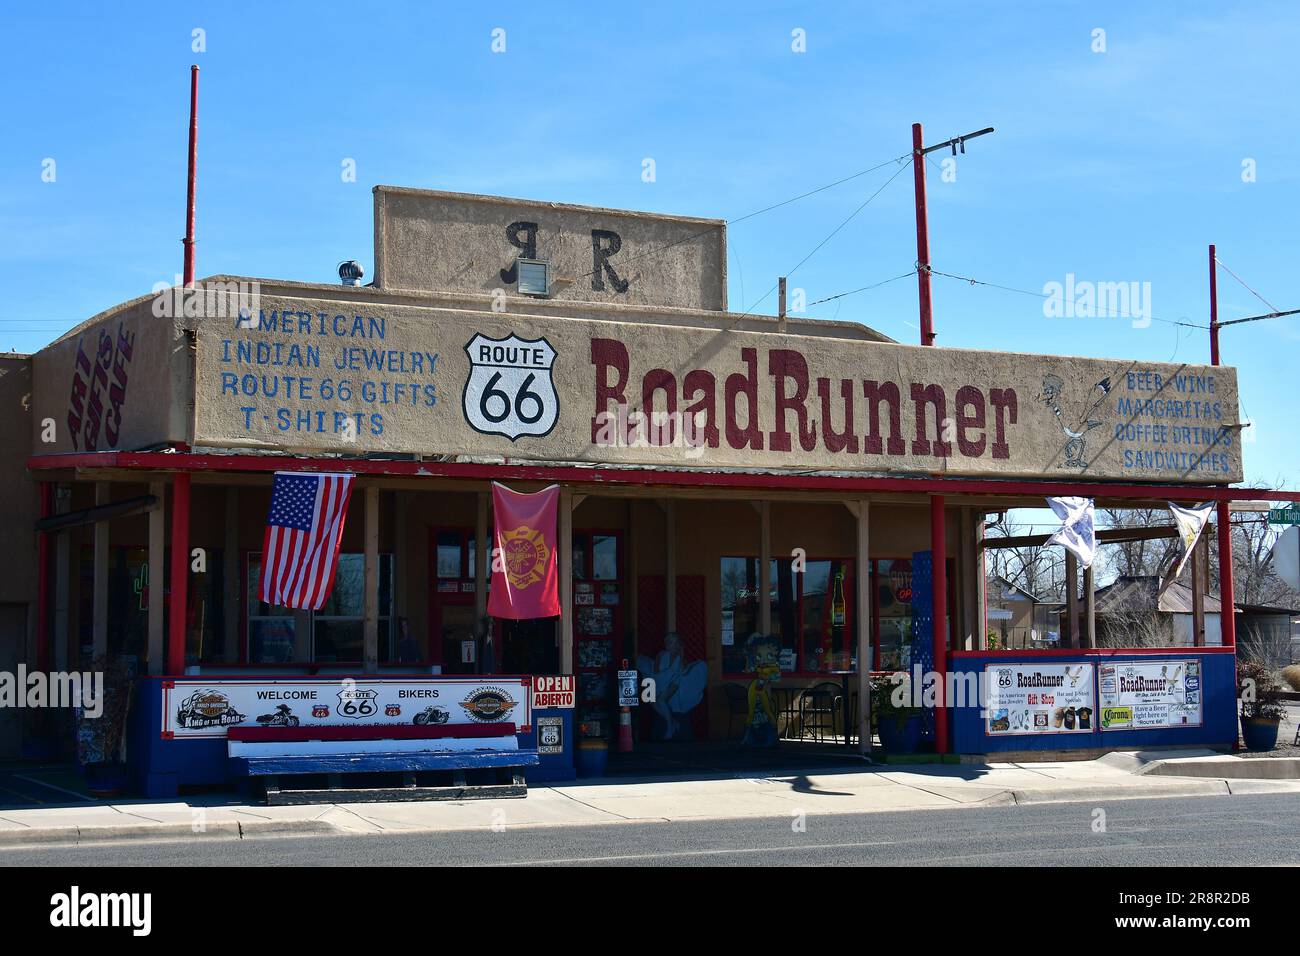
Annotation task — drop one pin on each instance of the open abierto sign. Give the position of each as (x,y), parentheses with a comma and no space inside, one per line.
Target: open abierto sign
(554,691)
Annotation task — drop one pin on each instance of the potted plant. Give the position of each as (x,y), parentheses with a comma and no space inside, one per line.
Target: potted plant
(1261,711)
(898,722)
(101,732)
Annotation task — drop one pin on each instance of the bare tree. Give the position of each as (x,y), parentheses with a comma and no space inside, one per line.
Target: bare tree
(1253,578)
(1037,569)
(1148,557)
(1135,627)
(1269,646)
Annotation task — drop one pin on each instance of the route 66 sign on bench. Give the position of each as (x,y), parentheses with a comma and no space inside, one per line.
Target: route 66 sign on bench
(509,390)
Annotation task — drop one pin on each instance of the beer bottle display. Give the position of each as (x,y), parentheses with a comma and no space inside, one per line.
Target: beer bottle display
(837,600)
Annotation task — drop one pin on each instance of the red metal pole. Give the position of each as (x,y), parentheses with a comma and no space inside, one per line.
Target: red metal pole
(43,582)
(189,200)
(939,583)
(1214,310)
(1227,597)
(922,238)
(179,577)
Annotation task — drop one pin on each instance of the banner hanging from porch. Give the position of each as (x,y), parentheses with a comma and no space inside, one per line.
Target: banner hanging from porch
(1191,522)
(525,579)
(1078,532)
(304,529)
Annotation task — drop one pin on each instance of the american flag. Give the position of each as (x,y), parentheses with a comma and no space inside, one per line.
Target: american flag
(304,529)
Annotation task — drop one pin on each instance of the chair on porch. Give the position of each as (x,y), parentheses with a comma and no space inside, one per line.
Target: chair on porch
(817,706)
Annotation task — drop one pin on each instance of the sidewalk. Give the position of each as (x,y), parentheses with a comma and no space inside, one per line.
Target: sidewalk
(587,803)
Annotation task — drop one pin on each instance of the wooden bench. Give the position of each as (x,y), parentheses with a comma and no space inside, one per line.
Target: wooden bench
(401,762)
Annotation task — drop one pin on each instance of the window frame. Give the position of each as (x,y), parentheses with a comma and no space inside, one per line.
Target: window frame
(247,618)
(850,613)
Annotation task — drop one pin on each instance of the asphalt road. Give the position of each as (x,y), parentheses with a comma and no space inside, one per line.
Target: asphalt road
(1201,831)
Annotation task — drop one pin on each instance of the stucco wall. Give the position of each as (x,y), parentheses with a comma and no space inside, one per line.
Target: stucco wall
(459,242)
(117,382)
(318,374)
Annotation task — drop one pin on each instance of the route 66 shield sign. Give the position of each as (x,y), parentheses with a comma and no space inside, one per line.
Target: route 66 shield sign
(509,390)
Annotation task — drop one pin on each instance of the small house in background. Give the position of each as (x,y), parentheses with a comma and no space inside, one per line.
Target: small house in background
(1131,612)
(1019,618)
(1269,632)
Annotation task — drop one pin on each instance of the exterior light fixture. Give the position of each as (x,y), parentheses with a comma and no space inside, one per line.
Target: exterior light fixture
(534,276)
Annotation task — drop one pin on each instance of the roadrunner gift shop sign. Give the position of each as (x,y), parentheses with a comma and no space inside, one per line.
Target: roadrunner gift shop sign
(1039,699)
(1145,695)
(209,708)
(328,376)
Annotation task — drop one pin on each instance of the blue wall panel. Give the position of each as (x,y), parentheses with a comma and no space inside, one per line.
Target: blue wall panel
(1219,708)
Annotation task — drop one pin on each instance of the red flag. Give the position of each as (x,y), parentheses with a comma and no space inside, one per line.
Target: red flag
(525,580)
(300,550)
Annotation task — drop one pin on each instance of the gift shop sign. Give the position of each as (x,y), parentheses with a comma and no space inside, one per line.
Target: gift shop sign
(1039,699)
(208,708)
(1149,695)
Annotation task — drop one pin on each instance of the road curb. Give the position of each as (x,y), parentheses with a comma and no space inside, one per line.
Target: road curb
(1235,768)
(1188,788)
(223,829)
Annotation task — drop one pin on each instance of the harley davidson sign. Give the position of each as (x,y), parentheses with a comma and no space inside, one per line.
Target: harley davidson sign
(303,375)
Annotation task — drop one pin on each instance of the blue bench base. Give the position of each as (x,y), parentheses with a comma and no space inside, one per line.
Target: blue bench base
(380,762)
(381,777)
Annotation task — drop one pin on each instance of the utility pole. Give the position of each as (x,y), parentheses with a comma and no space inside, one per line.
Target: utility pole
(193,162)
(1227,599)
(919,152)
(939,639)
(780,304)
(922,237)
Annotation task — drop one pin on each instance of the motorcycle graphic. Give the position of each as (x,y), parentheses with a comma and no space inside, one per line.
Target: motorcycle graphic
(432,715)
(283,717)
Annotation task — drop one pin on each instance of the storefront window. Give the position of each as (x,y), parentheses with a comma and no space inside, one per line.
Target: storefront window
(449,555)
(129,594)
(894,611)
(811,614)
(337,629)
(580,556)
(604,557)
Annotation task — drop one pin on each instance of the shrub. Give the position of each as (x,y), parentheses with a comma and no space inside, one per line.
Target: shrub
(1292,676)
(1258,686)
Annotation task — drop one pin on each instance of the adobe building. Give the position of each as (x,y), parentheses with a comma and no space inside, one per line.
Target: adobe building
(698,452)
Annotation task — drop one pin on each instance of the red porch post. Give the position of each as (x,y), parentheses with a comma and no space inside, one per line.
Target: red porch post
(1227,601)
(179,576)
(939,583)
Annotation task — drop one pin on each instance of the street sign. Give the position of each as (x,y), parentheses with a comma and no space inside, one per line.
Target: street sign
(1288,515)
(1286,557)
(627,690)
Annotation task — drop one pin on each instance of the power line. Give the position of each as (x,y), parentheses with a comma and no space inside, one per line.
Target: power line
(1222,265)
(866,202)
(1259,318)
(1044,295)
(865,288)
(757,212)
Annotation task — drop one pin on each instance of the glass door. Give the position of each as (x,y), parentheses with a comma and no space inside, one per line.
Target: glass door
(597,629)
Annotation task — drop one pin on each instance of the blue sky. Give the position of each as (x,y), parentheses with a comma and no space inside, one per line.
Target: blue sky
(1112,166)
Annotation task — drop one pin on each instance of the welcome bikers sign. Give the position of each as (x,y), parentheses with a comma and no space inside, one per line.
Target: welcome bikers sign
(208,708)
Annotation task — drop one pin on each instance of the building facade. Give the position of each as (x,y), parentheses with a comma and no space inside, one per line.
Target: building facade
(737,491)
